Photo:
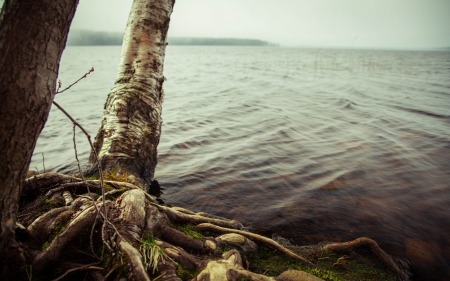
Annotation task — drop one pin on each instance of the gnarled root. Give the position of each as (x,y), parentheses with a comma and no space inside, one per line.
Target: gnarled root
(85,219)
(40,229)
(364,241)
(258,238)
(228,268)
(135,260)
(182,217)
(180,255)
(237,240)
(135,227)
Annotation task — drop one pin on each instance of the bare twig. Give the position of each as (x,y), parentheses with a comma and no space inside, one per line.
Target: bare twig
(84,267)
(43,161)
(75,123)
(78,161)
(60,84)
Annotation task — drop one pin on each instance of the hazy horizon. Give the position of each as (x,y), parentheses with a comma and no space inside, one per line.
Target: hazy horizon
(385,24)
(116,36)
(391,24)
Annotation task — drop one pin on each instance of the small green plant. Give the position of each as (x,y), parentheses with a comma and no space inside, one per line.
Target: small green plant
(152,254)
(49,202)
(45,245)
(115,175)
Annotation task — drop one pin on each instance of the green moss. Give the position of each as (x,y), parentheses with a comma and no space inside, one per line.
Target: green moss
(115,175)
(273,263)
(45,245)
(188,229)
(93,177)
(49,202)
(185,273)
(225,249)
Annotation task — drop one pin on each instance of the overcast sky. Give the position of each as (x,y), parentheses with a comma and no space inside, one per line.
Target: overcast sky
(320,23)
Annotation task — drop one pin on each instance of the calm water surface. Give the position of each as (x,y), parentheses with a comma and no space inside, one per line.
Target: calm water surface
(310,144)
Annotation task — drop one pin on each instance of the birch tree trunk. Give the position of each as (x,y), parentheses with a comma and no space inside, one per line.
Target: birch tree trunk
(33,36)
(131,127)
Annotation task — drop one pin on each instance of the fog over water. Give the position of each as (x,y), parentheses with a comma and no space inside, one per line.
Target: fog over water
(404,24)
(311,144)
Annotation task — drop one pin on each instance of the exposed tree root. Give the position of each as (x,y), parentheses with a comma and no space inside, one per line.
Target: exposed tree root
(181,217)
(85,219)
(135,260)
(180,255)
(135,232)
(229,268)
(40,229)
(258,238)
(364,241)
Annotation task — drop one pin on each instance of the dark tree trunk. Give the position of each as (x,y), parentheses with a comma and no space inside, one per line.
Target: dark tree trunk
(33,35)
(131,126)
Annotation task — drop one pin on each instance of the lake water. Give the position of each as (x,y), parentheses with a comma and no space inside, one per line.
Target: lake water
(310,144)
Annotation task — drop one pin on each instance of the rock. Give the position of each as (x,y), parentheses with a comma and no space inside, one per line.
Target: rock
(281,240)
(296,275)
(238,240)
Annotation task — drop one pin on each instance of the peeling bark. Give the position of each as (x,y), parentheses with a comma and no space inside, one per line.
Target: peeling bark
(131,127)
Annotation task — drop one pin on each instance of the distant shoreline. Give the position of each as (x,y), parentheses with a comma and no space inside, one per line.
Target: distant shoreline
(100,38)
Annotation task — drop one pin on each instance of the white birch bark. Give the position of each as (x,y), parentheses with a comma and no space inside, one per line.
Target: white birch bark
(131,127)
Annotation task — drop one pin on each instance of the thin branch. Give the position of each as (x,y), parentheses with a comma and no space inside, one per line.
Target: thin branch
(70,86)
(43,161)
(84,267)
(102,184)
